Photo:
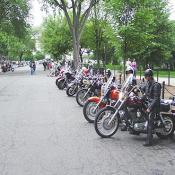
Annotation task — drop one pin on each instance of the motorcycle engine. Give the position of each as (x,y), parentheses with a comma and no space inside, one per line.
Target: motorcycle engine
(138,120)
(136,115)
(142,127)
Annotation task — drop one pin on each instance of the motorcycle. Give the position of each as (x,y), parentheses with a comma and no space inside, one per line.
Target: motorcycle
(109,94)
(6,68)
(92,90)
(75,85)
(65,80)
(59,76)
(132,108)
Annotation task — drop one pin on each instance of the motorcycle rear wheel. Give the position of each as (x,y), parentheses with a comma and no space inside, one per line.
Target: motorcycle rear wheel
(88,111)
(169,128)
(102,127)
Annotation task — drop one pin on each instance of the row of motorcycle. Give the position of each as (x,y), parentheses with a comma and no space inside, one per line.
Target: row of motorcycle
(109,105)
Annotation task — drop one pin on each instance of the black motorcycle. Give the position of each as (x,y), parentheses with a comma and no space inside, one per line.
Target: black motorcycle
(75,85)
(93,90)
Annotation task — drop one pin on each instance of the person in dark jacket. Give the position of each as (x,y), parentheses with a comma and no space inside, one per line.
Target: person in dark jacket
(152,91)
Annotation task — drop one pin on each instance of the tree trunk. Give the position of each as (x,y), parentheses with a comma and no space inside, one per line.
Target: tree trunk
(76,49)
(20,56)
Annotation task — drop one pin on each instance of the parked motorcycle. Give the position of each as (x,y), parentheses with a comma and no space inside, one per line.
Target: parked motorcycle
(109,94)
(66,79)
(93,90)
(132,108)
(59,76)
(75,85)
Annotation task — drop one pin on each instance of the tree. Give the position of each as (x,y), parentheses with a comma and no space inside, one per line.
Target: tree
(99,37)
(76,19)
(13,16)
(15,36)
(144,29)
(55,37)
(39,55)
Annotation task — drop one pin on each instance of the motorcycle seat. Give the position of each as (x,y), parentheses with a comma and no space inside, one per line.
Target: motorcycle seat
(164,107)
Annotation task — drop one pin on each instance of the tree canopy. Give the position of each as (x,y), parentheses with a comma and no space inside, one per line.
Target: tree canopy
(15,33)
(56,38)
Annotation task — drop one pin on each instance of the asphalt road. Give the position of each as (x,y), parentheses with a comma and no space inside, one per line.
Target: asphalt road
(43,132)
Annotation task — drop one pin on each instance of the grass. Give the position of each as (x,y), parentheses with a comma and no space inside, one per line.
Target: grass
(160,74)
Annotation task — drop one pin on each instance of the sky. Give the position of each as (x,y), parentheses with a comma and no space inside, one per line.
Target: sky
(37,15)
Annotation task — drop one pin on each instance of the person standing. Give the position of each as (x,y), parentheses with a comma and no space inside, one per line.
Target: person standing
(34,66)
(134,66)
(31,67)
(152,91)
(128,63)
(45,65)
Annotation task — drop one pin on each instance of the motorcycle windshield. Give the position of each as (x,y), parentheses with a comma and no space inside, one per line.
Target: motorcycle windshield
(127,82)
(106,85)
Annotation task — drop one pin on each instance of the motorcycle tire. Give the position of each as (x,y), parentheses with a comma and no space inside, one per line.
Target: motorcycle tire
(61,84)
(102,122)
(56,82)
(78,97)
(71,91)
(170,133)
(89,115)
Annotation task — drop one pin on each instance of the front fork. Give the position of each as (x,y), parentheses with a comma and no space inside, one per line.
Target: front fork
(86,93)
(117,110)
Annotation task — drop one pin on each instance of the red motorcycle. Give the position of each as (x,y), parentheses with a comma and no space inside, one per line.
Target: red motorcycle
(132,108)
(109,94)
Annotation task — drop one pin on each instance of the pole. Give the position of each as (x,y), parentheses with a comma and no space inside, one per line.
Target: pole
(157,75)
(169,77)
(163,89)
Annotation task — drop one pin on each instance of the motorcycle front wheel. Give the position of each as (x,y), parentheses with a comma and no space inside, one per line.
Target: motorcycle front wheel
(169,128)
(56,82)
(61,84)
(89,111)
(70,91)
(82,96)
(102,126)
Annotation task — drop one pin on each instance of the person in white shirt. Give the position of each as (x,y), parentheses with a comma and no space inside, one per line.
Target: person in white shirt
(128,63)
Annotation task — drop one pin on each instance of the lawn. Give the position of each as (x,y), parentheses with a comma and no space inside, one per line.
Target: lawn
(161,73)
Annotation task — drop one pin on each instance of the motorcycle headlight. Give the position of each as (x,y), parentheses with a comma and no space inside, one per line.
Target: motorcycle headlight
(86,82)
(121,95)
(102,91)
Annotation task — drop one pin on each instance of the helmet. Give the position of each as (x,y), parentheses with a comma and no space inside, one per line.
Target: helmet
(129,70)
(84,70)
(148,73)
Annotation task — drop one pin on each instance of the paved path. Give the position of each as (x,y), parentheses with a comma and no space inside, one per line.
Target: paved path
(43,132)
